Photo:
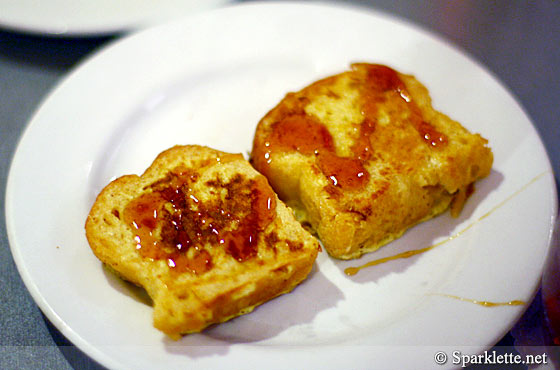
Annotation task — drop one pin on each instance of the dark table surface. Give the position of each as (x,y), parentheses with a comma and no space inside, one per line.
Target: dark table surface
(517,41)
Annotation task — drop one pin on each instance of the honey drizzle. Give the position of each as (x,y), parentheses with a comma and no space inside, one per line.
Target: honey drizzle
(295,130)
(188,225)
(350,271)
(484,303)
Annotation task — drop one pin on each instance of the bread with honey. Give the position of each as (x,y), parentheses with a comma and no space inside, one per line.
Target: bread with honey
(362,156)
(203,233)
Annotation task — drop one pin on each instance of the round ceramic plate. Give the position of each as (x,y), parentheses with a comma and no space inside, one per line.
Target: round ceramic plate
(208,79)
(88,17)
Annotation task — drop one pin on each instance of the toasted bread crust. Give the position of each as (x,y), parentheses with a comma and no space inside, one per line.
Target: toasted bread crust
(362,156)
(190,293)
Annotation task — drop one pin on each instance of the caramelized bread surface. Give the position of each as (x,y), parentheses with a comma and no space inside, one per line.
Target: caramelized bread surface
(362,156)
(203,233)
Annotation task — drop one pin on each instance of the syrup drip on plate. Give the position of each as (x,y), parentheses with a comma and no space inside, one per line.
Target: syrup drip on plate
(484,303)
(354,270)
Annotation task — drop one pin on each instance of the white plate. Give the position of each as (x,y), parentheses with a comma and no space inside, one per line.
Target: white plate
(207,80)
(88,17)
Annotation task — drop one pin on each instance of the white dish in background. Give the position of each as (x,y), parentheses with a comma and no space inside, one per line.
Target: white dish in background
(90,17)
(169,85)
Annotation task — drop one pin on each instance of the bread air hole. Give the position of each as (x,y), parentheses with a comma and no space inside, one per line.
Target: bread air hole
(116,213)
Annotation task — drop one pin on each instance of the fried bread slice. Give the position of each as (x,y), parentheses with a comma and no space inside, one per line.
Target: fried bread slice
(362,156)
(203,233)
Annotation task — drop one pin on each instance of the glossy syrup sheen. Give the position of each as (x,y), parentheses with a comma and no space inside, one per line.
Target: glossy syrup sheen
(295,130)
(170,223)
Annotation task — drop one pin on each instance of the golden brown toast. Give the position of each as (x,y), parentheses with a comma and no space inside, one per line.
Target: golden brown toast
(362,156)
(203,233)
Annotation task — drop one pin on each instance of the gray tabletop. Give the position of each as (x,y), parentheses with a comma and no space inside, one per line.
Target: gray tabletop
(517,41)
